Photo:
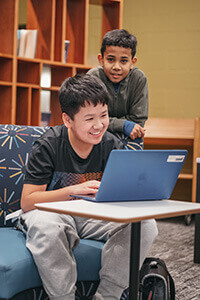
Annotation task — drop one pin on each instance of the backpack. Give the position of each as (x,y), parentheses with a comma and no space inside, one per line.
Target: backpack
(156,283)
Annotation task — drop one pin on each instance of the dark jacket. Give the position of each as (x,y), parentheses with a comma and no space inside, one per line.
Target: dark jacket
(130,102)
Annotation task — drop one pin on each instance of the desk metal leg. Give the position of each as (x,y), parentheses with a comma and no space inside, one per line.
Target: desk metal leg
(134,261)
(197,220)
(197,240)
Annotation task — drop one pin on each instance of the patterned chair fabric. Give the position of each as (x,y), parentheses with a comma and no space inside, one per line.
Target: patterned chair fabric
(21,280)
(15,145)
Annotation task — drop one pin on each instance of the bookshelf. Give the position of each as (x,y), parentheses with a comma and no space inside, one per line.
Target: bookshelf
(56,21)
(164,133)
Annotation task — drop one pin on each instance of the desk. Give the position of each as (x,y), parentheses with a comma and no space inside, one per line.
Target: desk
(125,212)
(197,218)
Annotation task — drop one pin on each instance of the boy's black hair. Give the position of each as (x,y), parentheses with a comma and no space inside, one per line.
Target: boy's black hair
(76,91)
(120,38)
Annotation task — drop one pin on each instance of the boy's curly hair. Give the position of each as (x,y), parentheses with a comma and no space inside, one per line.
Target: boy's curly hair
(120,38)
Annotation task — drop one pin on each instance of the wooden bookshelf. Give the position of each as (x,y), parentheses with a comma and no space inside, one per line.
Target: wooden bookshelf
(56,21)
(164,133)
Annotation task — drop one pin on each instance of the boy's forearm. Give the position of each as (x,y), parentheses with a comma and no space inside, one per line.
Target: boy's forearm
(32,194)
(29,200)
(116,124)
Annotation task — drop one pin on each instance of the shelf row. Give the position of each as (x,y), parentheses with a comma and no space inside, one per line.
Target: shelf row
(30,71)
(27,110)
(24,80)
(63,20)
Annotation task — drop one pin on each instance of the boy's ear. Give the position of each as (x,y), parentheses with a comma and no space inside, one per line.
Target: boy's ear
(66,120)
(134,60)
(100,59)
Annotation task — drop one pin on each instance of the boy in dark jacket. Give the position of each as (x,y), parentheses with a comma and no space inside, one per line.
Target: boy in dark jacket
(127,87)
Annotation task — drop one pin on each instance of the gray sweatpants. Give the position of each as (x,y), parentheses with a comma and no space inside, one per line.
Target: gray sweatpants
(51,238)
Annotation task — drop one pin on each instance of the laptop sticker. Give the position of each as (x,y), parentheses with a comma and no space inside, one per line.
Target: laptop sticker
(175,158)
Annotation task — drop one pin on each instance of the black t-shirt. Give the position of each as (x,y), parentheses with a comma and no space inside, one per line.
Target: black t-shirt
(53,161)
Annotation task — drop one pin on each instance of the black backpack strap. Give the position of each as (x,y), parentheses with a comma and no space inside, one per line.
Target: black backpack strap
(171,281)
(172,286)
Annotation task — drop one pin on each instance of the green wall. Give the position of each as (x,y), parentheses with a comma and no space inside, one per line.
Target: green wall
(94,34)
(168,34)
(22,11)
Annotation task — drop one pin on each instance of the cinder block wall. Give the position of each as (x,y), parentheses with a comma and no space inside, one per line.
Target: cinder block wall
(168,35)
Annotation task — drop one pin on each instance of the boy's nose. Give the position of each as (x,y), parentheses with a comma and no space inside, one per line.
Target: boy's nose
(116,66)
(98,124)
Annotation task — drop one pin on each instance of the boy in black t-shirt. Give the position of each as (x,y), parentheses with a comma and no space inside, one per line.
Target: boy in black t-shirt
(70,159)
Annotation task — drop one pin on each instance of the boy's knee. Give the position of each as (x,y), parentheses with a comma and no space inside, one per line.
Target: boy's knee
(149,230)
(45,225)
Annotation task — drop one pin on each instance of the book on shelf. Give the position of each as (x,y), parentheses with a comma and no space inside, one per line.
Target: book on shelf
(27,42)
(45,81)
(66,50)
(45,97)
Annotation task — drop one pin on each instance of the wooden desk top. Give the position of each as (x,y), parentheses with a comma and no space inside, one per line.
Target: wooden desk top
(123,212)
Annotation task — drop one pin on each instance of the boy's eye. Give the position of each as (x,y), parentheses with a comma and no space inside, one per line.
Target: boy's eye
(124,61)
(104,115)
(110,59)
(89,119)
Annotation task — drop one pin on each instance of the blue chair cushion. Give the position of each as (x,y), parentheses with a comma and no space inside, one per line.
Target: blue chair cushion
(17,268)
(88,258)
(18,271)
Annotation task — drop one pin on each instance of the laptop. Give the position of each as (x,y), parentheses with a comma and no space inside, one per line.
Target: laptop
(139,175)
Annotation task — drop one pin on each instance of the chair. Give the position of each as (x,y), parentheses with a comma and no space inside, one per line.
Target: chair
(19,277)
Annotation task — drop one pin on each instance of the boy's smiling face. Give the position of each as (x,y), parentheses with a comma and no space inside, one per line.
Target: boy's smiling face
(117,62)
(87,128)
